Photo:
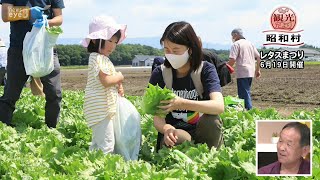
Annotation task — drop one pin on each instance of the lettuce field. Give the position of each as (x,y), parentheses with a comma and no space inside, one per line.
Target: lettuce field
(33,151)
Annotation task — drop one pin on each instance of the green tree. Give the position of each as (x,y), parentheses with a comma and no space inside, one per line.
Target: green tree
(308,46)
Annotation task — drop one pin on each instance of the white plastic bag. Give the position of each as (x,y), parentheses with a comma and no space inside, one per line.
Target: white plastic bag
(38,51)
(127,129)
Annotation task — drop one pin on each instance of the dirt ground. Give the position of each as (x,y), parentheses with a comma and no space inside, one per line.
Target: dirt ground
(285,90)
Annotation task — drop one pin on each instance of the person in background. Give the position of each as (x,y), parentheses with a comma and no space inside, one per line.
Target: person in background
(292,148)
(16,74)
(3,61)
(157,61)
(104,83)
(244,55)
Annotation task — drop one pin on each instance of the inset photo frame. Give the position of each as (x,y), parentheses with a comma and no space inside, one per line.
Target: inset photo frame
(284,147)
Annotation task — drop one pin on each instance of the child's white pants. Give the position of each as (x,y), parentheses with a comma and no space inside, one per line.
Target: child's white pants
(103,137)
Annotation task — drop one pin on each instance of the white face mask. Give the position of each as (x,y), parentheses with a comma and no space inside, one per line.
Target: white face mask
(233,40)
(177,61)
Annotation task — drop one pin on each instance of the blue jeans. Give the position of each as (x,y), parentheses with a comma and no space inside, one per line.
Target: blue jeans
(244,85)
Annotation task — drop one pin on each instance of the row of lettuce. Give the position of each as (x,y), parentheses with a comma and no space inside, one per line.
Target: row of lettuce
(32,151)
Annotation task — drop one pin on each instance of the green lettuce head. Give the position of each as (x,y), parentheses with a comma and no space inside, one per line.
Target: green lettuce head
(152,97)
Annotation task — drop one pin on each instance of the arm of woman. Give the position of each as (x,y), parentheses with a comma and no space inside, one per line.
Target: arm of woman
(161,125)
(213,106)
(169,132)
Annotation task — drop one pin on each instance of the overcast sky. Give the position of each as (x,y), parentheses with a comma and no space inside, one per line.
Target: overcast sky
(212,20)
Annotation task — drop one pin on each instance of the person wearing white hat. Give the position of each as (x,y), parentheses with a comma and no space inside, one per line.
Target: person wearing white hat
(16,74)
(3,61)
(104,83)
(244,54)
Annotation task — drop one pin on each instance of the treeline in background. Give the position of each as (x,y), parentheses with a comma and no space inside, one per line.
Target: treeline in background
(70,55)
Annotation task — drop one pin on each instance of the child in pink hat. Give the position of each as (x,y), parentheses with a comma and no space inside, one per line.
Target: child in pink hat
(104,83)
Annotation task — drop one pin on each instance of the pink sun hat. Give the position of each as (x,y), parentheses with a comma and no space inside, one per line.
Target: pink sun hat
(104,27)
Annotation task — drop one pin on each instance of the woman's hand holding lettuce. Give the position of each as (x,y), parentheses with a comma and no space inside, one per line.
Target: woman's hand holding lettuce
(152,98)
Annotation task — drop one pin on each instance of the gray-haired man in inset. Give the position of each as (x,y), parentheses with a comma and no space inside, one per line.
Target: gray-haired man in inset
(292,148)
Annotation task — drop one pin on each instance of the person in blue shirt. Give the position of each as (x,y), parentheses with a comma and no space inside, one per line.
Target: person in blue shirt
(16,75)
(190,117)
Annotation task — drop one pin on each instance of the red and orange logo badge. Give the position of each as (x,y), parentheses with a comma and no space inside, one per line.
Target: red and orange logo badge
(283,21)
(283,18)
